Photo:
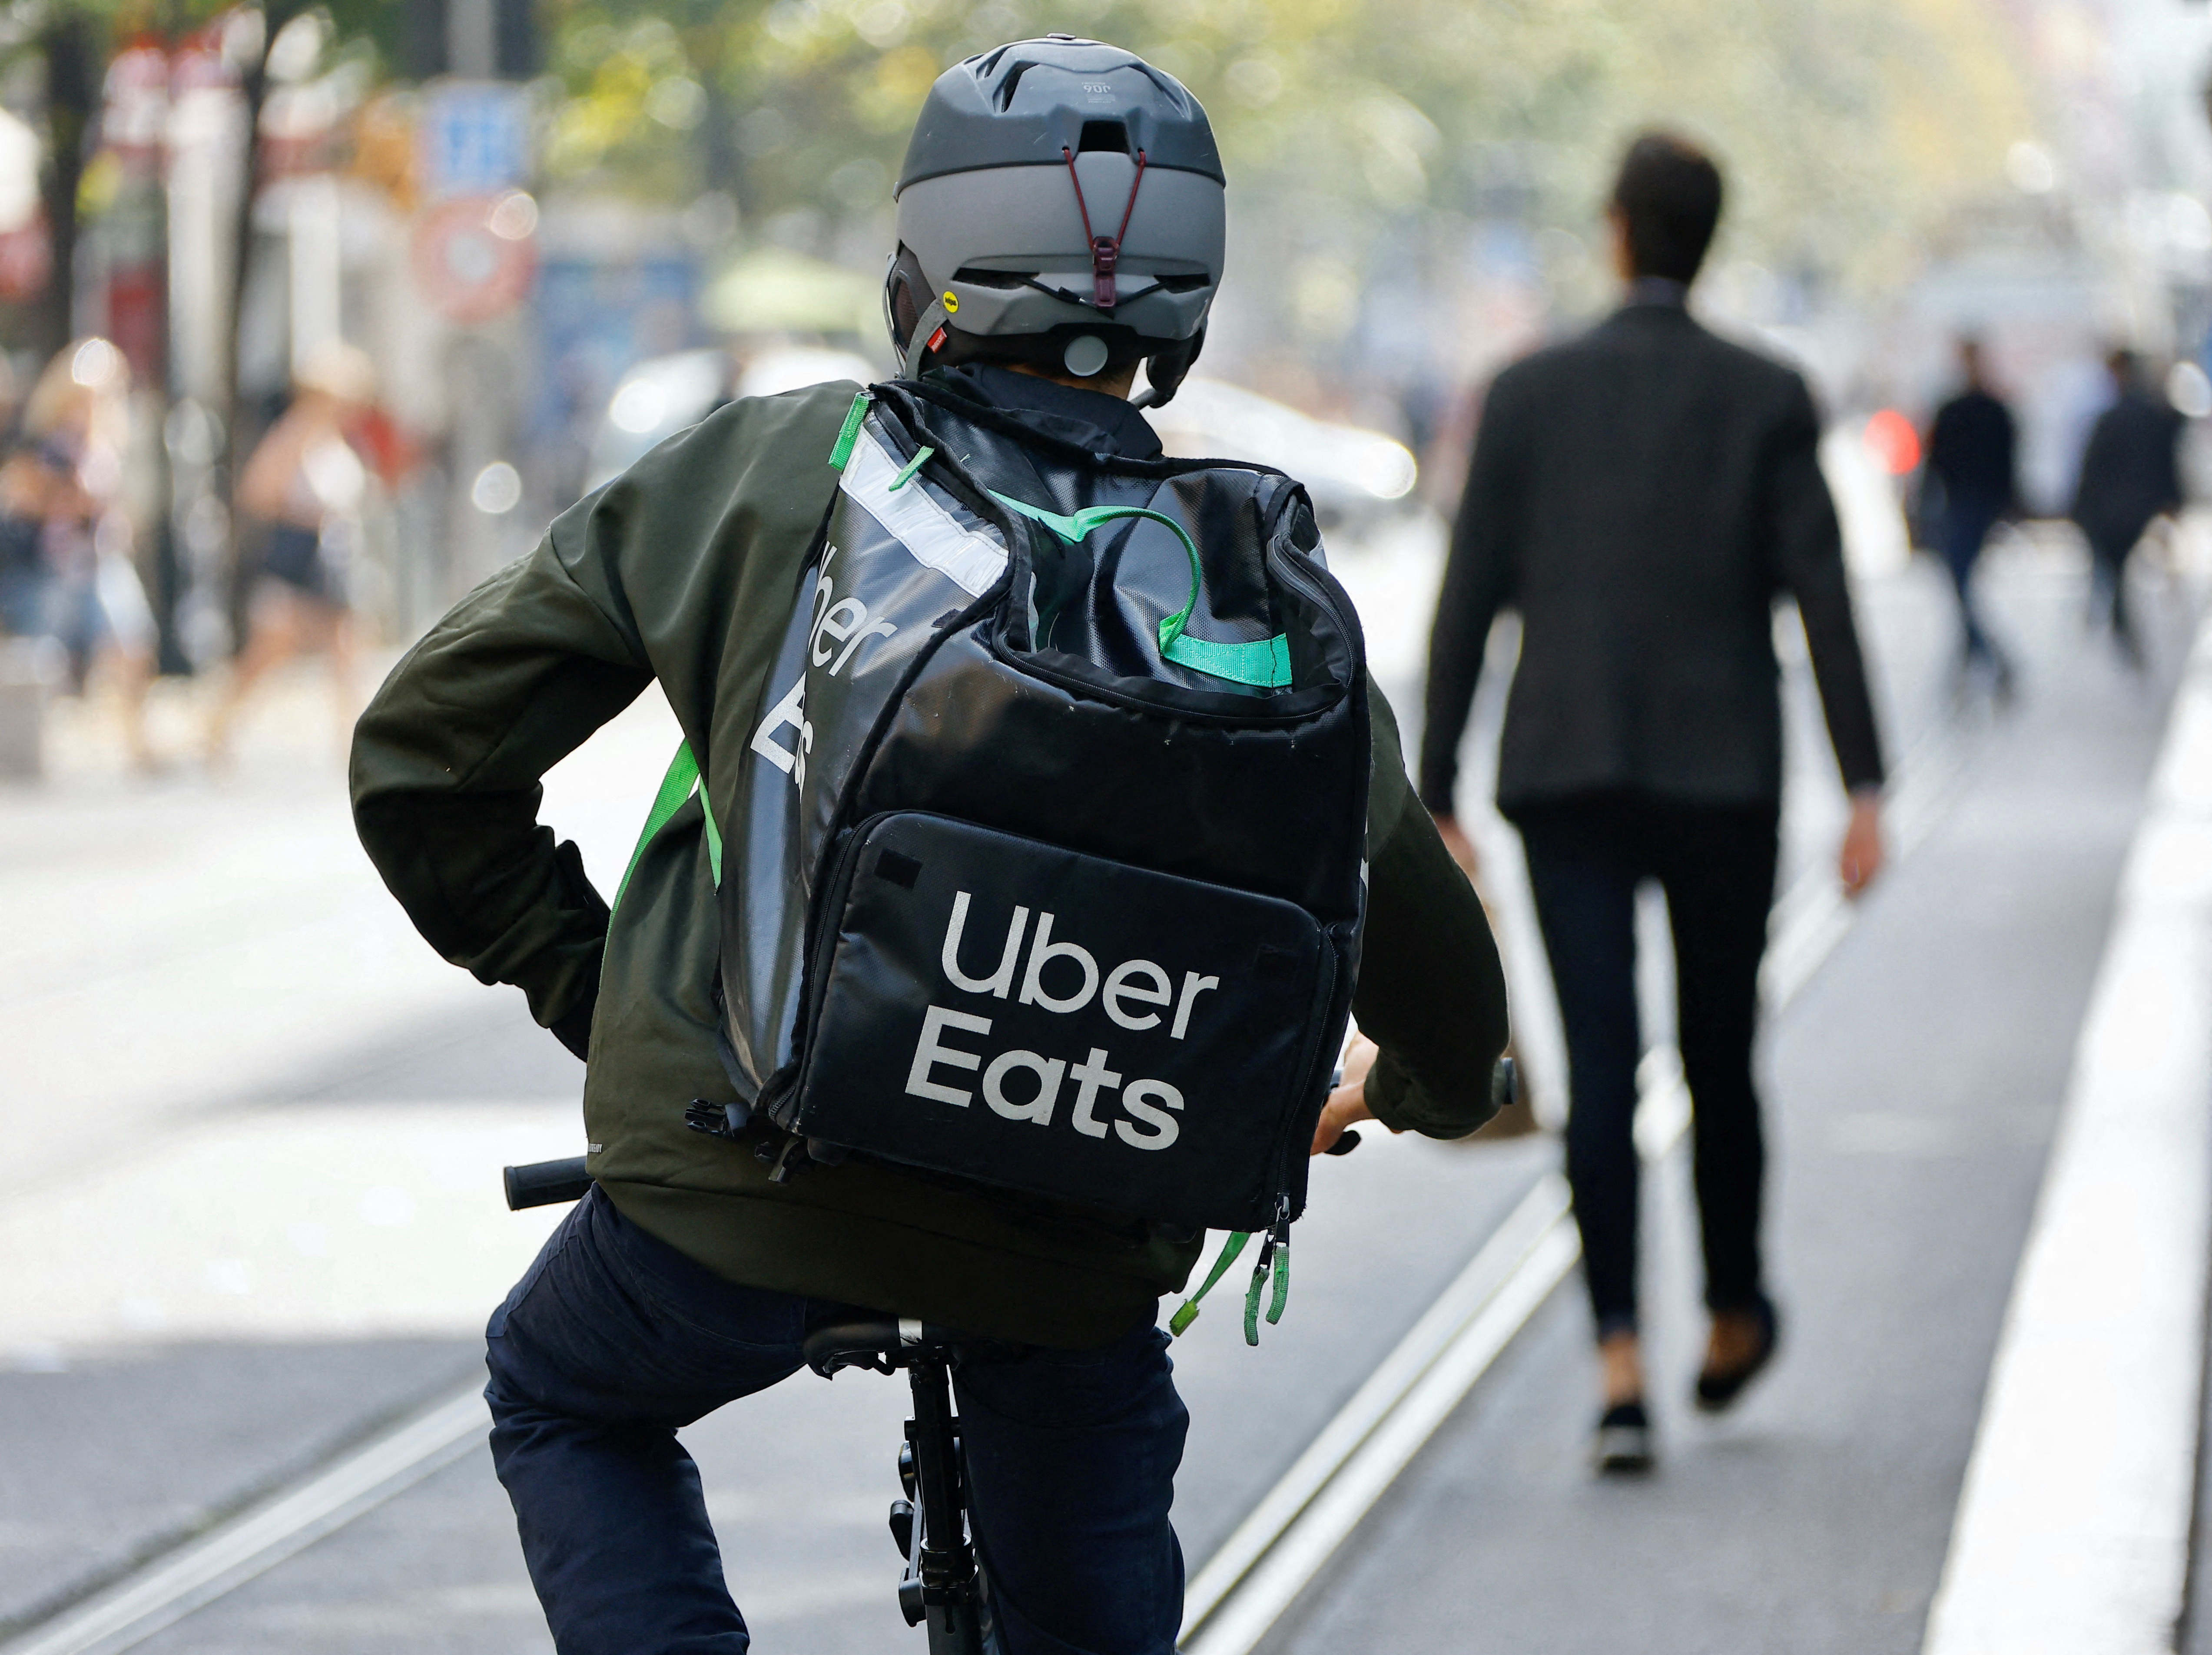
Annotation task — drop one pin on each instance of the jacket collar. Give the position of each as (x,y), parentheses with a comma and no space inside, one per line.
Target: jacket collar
(1091,420)
(1656,291)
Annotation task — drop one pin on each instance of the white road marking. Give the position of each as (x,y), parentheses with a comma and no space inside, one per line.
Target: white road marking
(1442,1328)
(1389,1445)
(2073,1527)
(164,1593)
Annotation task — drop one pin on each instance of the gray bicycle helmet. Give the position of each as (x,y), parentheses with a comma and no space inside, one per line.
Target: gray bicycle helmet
(1061,203)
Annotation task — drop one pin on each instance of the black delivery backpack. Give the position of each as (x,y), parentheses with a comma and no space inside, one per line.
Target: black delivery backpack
(1048,868)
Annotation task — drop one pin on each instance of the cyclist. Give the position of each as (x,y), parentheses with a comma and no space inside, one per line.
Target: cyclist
(689,1274)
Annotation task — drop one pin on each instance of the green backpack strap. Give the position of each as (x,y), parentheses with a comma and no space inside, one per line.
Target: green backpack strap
(1264,664)
(677,786)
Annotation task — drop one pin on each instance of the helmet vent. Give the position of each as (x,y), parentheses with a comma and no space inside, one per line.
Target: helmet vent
(1110,135)
(1012,84)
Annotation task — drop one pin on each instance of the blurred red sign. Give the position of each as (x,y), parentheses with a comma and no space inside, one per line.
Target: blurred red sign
(1895,446)
(27,260)
(464,265)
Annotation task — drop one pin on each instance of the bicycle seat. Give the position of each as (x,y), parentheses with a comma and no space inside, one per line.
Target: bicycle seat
(882,1344)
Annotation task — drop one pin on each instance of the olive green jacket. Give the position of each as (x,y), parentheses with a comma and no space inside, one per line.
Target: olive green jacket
(685,570)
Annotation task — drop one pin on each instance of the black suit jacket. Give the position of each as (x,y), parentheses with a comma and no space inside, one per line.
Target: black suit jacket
(2130,471)
(1641,496)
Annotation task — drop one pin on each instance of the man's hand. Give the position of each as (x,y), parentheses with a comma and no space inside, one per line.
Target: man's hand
(1861,859)
(1461,846)
(1348,1102)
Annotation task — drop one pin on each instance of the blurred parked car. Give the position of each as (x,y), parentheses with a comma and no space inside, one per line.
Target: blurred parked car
(662,395)
(1354,476)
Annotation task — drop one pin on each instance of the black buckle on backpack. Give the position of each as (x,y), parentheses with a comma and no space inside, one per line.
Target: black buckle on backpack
(721,1120)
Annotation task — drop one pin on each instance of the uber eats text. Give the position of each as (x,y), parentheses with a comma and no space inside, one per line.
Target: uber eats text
(1136,995)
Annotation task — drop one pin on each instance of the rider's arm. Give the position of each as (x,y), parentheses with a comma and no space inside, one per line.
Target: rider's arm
(1431,994)
(637,581)
(446,768)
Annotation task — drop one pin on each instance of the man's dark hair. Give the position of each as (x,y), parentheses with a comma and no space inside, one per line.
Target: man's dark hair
(1669,197)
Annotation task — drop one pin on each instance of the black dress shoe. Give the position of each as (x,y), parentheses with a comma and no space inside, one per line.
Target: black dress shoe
(1718,1389)
(1624,1440)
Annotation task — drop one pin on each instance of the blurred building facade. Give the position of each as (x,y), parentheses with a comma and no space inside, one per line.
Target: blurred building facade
(512,203)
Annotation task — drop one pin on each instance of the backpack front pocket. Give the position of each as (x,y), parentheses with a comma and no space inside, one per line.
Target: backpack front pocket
(1041,1019)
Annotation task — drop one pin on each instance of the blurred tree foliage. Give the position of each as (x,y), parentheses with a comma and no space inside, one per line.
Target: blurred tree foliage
(1845,125)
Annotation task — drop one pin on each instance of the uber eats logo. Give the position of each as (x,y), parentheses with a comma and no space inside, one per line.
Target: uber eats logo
(1062,976)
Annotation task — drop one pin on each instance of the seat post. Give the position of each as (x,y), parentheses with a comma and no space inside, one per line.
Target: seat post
(947,1559)
(949,1587)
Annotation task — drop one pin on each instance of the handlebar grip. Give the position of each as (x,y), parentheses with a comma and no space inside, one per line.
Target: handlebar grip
(546,1183)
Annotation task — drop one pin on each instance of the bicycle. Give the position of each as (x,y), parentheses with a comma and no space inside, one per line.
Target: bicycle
(943,1586)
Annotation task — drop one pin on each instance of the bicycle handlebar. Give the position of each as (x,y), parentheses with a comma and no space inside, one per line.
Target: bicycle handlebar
(546,1183)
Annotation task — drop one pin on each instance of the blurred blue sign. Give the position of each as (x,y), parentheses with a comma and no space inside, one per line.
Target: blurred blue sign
(475,138)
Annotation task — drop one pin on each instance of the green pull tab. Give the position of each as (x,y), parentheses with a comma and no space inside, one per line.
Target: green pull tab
(1259,1286)
(1186,1312)
(907,471)
(850,432)
(1282,1283)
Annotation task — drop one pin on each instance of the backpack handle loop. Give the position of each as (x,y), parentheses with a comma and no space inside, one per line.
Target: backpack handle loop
(1264,664)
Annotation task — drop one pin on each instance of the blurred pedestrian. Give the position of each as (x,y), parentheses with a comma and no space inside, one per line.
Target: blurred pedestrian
(65,540)
(1642,494)
(2130,476)
(1968,485)
(308,480)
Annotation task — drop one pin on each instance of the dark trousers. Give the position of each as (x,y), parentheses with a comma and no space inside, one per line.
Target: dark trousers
(2110,549)
(612,1340)
(1967,524)
(1715,864)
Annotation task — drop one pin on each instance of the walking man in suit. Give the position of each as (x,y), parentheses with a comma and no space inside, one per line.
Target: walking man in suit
(1641,496)
(1968,485)
(2130,476)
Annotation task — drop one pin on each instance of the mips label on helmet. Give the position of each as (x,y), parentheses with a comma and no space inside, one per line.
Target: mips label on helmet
(1137,995)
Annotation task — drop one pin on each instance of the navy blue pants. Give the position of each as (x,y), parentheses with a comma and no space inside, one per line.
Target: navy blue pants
(613,1339)
(1966,526)
(1716,863)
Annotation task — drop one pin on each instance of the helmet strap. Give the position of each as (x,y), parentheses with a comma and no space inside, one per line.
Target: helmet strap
(928,334)
(1105,250)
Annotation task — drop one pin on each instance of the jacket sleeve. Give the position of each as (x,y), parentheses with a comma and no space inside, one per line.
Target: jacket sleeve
(1432,993)
(1477,584)
(639,581)
(1808,548)
(445,767)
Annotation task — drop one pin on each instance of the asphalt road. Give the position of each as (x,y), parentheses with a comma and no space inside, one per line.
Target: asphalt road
(258,1127)
(1912,1088)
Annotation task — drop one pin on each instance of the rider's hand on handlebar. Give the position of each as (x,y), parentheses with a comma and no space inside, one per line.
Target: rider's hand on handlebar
(1348,1102)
